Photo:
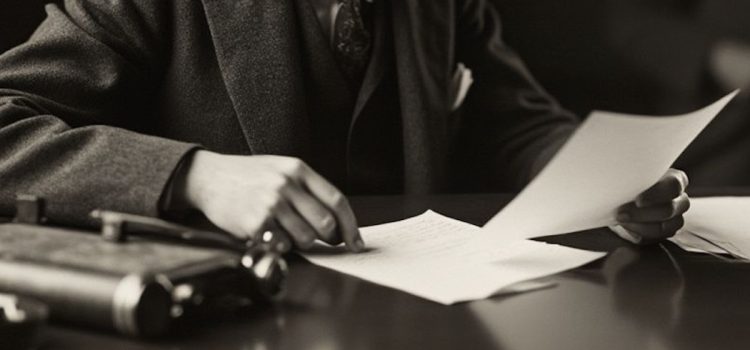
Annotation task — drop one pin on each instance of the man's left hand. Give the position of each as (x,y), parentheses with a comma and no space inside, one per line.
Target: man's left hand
(656,214)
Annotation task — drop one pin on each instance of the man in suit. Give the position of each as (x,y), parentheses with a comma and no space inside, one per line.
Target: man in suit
(225,107)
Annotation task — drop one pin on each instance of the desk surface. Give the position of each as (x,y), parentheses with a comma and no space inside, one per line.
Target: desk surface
(637,298)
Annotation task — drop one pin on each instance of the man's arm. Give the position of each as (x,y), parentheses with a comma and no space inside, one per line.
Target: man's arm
(72,102)
(88,65)
(512,126)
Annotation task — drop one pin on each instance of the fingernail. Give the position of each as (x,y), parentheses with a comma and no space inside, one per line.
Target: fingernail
(327,223)
(359,244)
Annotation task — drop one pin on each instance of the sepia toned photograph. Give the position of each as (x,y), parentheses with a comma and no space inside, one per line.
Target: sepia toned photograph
(374,174)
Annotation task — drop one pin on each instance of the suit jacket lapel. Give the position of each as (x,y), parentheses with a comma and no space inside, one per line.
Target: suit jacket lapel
(257,46)
(424,52)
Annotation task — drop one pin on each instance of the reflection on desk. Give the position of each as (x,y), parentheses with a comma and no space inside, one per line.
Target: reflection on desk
(657,297)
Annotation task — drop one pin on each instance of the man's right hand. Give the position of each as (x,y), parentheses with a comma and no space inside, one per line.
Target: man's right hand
(247,195)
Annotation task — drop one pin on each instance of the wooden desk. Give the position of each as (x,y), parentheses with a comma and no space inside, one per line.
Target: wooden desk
(637,298)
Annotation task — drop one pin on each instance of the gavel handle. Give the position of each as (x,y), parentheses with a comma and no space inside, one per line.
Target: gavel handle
(116,226)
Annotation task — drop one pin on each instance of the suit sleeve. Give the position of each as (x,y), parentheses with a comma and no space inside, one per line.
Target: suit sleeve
(510,125)
(72,112)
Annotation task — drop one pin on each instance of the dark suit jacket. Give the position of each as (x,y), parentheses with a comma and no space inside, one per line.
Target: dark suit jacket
(106,98)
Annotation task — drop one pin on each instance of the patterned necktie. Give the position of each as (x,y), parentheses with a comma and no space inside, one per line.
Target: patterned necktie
(352,40)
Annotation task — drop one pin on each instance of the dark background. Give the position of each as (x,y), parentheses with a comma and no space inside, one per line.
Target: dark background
(18,19)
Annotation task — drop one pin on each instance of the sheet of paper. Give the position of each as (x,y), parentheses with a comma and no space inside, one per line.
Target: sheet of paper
(724,221)
(430,256)
(607,162)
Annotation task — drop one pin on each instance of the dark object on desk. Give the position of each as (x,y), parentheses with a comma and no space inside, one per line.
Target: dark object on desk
(130,284)
(260,257)
(30,210)
(20,321)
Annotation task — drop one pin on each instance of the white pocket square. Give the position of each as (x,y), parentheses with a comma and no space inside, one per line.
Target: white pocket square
(462,81)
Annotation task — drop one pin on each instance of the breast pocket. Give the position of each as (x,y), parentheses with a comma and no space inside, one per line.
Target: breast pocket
(460,84)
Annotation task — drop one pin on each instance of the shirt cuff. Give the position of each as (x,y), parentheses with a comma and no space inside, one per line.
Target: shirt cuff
(168,207)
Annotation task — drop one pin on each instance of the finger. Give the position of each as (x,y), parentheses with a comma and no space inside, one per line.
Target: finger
(657,213)
(299,230)
(670,186)
(337,203)
(276,237)
(315,213)
(255,226)
(348,223)
(249,225)
(654,232)
(626,235)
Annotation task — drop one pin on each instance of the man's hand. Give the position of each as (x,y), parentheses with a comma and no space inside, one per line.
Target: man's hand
(657,213)
(247,195)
